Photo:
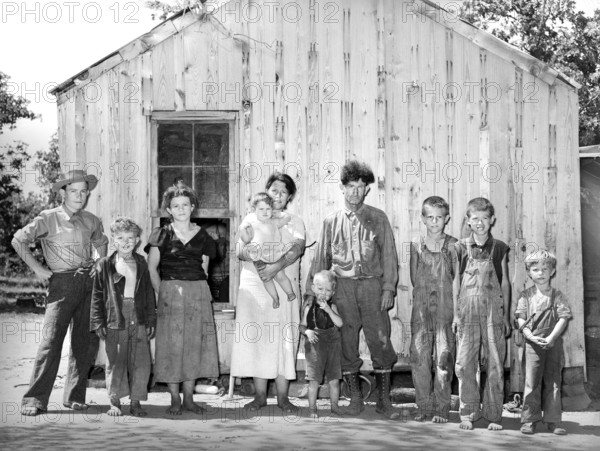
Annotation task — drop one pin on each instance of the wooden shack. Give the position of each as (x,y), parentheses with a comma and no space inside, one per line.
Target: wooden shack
(226,94)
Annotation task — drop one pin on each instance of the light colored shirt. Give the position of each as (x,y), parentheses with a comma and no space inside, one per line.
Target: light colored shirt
(357,245)
(67,238)
(534,305)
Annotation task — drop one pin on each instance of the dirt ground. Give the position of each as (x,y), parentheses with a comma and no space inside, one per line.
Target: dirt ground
(226,426)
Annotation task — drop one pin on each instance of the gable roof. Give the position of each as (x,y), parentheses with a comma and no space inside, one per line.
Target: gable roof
(179,21)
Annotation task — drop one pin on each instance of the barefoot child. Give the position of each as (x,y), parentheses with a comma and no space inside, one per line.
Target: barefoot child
(123,314)
(481,317)
(261,229)
(322,346)
(542,313)
(433,264)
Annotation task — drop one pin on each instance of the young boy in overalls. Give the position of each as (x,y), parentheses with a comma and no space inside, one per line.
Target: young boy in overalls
(481,317)
(542,313)
(433,264)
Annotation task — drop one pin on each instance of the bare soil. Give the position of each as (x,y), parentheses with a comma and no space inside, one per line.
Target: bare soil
(227,426)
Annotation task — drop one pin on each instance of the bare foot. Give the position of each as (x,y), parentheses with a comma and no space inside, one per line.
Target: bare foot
(466,425)
(31,411)
(291,297)
(193,407)
(276,303)
(313,413)
(175,407)
(494,426)
(136,409)
(439,419)
(556,428)
(420,417)
(288,408)
(114,411)
(255,404)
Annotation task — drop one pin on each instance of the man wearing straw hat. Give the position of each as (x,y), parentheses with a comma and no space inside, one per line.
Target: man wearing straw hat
(69,235)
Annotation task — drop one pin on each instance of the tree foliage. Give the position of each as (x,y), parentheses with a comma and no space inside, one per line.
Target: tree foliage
(17,208)
(556,33)
(13,159)
(12,107)
(47,167)
(168,8)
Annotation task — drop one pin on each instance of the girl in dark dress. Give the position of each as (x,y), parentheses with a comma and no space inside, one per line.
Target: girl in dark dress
(186,347)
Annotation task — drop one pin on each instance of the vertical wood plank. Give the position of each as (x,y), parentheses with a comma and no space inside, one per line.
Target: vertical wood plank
(163,76)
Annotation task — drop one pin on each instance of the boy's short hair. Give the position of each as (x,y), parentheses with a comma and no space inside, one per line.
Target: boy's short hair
(480,204)
(540,256)
(353,171)
(123,224)
(436,202)
(261,197)
(326,275)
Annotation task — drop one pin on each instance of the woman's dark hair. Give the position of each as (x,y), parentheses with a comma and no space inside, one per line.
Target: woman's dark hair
(173,192)
(286,180)
(353,171)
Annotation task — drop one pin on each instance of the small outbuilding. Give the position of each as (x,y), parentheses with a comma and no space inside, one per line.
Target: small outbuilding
(226,94)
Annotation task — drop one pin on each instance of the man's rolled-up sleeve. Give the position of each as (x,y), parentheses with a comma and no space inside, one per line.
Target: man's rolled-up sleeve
(33,231)
(99,239)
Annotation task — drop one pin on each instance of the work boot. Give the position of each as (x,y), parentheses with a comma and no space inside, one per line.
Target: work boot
(384,405)
(357,404)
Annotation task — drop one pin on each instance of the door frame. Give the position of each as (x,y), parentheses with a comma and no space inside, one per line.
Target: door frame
(235,195)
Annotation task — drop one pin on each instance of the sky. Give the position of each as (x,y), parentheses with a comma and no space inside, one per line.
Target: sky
(44,43)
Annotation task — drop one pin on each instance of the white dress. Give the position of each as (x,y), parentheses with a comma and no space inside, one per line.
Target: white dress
(266,339)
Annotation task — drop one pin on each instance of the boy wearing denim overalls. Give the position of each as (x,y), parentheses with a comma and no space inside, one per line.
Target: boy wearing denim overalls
(481,317)
(542,313)
(433,264)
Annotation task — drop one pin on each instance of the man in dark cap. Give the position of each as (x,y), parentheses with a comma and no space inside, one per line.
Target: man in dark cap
(69,236)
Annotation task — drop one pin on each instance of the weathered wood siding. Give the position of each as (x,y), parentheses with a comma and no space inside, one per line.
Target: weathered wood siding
(429,103)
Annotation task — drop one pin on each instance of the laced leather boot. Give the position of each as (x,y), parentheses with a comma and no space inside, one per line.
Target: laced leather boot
(357,404)
(384,405)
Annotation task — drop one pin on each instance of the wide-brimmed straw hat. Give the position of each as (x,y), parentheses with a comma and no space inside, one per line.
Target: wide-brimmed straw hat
(74,176)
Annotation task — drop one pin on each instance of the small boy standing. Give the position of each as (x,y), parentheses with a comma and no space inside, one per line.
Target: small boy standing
(123,314)
(323,350)
(542,313)
(481,317)
(261,229)
(433,264)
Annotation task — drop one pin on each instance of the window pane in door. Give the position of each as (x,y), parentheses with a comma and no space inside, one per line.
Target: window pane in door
(211,144)
(175,144)
(212,186)
(167,175)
